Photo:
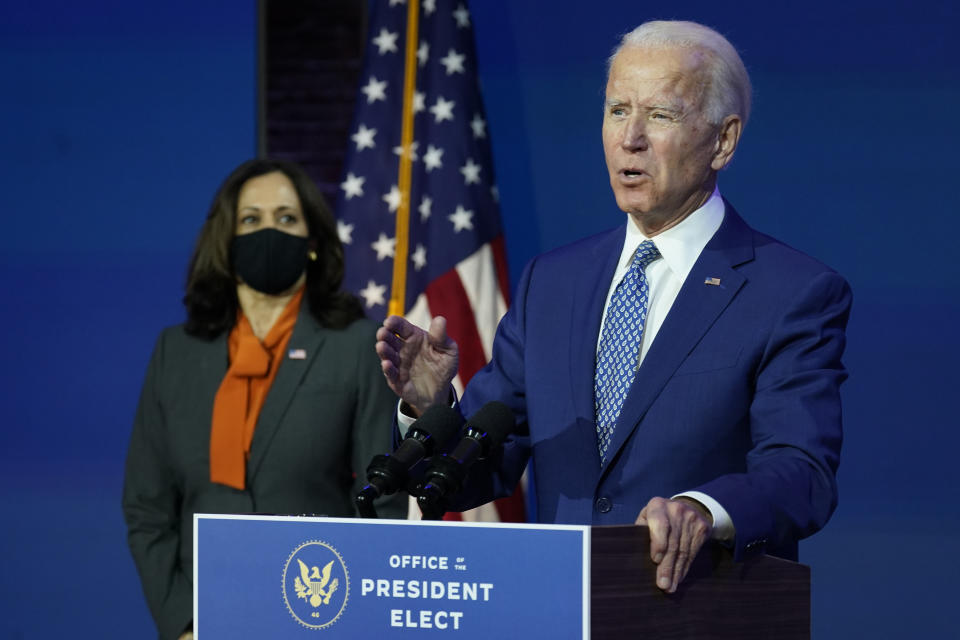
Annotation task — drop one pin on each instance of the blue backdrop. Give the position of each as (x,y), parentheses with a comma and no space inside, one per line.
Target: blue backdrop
(119,119)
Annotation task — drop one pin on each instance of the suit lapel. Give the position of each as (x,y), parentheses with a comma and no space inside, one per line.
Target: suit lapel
(590,293)
(693,312)
(210,359)
(307,336)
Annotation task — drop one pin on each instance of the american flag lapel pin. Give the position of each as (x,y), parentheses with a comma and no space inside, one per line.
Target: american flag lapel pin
(297,354)
(714,281)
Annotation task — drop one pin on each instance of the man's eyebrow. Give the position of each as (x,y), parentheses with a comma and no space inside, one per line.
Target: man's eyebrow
(676,107)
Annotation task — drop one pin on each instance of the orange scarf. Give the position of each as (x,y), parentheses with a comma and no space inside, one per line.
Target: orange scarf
(253,367)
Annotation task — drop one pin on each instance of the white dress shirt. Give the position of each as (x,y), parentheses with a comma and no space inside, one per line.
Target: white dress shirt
(679,247)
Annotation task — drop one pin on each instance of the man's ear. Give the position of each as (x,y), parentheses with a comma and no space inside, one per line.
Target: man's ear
(728,136)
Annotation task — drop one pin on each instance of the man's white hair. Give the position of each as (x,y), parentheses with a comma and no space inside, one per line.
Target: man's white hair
(729,85)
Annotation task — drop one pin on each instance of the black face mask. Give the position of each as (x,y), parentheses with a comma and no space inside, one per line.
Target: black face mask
(268,260)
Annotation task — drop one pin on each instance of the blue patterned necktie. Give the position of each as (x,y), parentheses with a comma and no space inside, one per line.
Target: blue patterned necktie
(619,356)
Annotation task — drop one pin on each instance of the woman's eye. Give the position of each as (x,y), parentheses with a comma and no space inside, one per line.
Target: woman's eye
(249,219)
(288,218)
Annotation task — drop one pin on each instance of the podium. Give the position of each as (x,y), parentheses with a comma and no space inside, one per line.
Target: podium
(272,576)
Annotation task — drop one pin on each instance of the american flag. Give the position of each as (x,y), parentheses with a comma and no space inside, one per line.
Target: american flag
(456,264)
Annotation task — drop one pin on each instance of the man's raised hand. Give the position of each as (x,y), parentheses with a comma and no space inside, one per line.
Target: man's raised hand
(418,365)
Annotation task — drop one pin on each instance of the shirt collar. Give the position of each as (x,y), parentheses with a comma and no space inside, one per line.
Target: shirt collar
(680,245)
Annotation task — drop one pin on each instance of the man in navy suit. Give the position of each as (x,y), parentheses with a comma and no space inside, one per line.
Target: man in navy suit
(725,343)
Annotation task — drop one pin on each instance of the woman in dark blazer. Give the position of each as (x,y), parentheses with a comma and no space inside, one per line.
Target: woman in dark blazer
(269,399)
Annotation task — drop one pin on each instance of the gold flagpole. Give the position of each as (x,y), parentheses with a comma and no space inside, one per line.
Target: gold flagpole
(398,290)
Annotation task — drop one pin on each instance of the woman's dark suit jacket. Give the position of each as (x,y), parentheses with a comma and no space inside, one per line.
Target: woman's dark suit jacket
(326,415)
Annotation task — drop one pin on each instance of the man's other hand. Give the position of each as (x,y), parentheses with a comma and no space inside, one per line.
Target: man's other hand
(418,365)
(678,528)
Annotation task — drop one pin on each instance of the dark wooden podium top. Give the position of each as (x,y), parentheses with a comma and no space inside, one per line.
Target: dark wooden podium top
(761,598)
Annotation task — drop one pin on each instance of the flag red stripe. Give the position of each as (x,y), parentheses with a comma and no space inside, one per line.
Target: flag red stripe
(446,297)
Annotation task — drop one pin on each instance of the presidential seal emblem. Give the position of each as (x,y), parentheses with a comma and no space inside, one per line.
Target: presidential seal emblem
(316,584)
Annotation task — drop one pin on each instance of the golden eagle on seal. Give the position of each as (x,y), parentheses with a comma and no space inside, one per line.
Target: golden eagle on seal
(314,582)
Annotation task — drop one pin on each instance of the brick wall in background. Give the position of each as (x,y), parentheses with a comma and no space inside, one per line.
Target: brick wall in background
(312,56)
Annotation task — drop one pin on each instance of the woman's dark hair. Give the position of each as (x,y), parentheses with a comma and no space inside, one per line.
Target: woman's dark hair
(211,297)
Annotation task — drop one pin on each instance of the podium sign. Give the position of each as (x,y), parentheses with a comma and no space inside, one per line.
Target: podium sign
(282,577)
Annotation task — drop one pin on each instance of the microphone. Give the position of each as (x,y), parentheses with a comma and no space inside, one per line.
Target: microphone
(483,433)
(389,472)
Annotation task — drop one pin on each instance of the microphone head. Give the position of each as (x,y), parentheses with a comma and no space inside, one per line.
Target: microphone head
(439,422)
(496,420)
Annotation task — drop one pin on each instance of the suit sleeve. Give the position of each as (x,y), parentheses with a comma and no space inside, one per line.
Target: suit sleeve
(373,430)
(789,489)
(151,508)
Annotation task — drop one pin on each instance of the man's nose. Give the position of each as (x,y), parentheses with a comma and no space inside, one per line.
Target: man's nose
(635,134)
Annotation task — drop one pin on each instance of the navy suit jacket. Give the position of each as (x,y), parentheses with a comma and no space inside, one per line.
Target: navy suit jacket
(737,397)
